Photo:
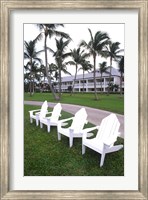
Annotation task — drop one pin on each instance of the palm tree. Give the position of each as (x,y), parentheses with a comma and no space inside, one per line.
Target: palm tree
(95,47)
(78,57)
(43,71)
(121,70)
(49,30)
(31,54)
(32,74)
(102,69)
(55,72)
(112,51)
(60,55)
(86,66)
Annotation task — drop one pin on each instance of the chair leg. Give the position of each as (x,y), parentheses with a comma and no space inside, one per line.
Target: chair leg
(41,125)
(83,149)
(37,122)
(31,120)
(102,159)
(48,128)
(59,136)
(70,141)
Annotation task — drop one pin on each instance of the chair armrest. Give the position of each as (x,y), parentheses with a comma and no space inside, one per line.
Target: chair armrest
(47,117)
(49,112)
(86,130)
(64,120)
(31,111)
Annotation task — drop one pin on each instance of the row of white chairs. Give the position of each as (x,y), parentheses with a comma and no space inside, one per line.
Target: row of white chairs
(103,142)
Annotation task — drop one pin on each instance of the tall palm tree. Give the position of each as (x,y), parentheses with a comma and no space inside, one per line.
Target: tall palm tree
(95,47)
(78,57)
(31,54)
(102,69)
(55,72)
(49,30)
(85,66)
(121,70)
(43,71)
(112,51)
(32,74)
(60,55)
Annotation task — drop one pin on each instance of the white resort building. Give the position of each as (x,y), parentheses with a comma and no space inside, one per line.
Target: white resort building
(89,82)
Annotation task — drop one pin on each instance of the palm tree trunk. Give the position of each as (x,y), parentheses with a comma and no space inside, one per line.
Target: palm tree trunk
(46,68)
(60,66)
(30,87)
(101,82)
(33,86)
(110,75)
(74,79)
(96,96)
(31,77)
(83,81)
(121,84)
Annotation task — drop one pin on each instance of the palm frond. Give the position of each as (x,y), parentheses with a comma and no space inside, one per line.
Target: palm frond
(51,51)
(66,55)
(38,38)
(92,39)
(65,71)
(70,63)
(82,43)
(26,56)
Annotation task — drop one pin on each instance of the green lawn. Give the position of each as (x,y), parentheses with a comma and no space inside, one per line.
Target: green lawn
(112,102)
(44,155)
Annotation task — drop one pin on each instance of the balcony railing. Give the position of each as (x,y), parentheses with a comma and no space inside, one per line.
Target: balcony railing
(88,85)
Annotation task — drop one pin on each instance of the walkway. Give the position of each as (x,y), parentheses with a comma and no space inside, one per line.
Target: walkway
(95,116)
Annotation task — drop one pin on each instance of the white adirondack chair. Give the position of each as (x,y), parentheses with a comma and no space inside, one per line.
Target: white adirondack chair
(35,114)
(75,130)
(53,119)
(106,136)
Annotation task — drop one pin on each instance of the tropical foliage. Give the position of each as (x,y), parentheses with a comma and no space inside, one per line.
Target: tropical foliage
(37,72)
(102,69)
(112,51)
(95,47)
(78,57)
(60,55)
(31,54)
(121,70)
(49,30)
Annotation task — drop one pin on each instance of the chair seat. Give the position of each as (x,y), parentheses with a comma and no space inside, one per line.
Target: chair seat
(75,130)
(66,132)
(53,119)
(45,121)
(94,144)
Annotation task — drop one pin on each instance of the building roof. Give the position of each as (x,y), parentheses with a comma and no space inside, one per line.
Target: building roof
(89,75)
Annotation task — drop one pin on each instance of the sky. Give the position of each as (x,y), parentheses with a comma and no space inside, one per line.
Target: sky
(77,32)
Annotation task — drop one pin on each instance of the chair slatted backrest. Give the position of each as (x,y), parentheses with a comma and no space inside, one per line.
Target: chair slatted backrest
(56,112)
(79,120)
(109,128)
(44,109)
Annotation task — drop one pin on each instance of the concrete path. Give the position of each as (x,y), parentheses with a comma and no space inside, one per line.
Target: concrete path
(95,116)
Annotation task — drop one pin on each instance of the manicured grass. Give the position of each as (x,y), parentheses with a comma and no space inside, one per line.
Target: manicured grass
(112,102)
(44,155)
